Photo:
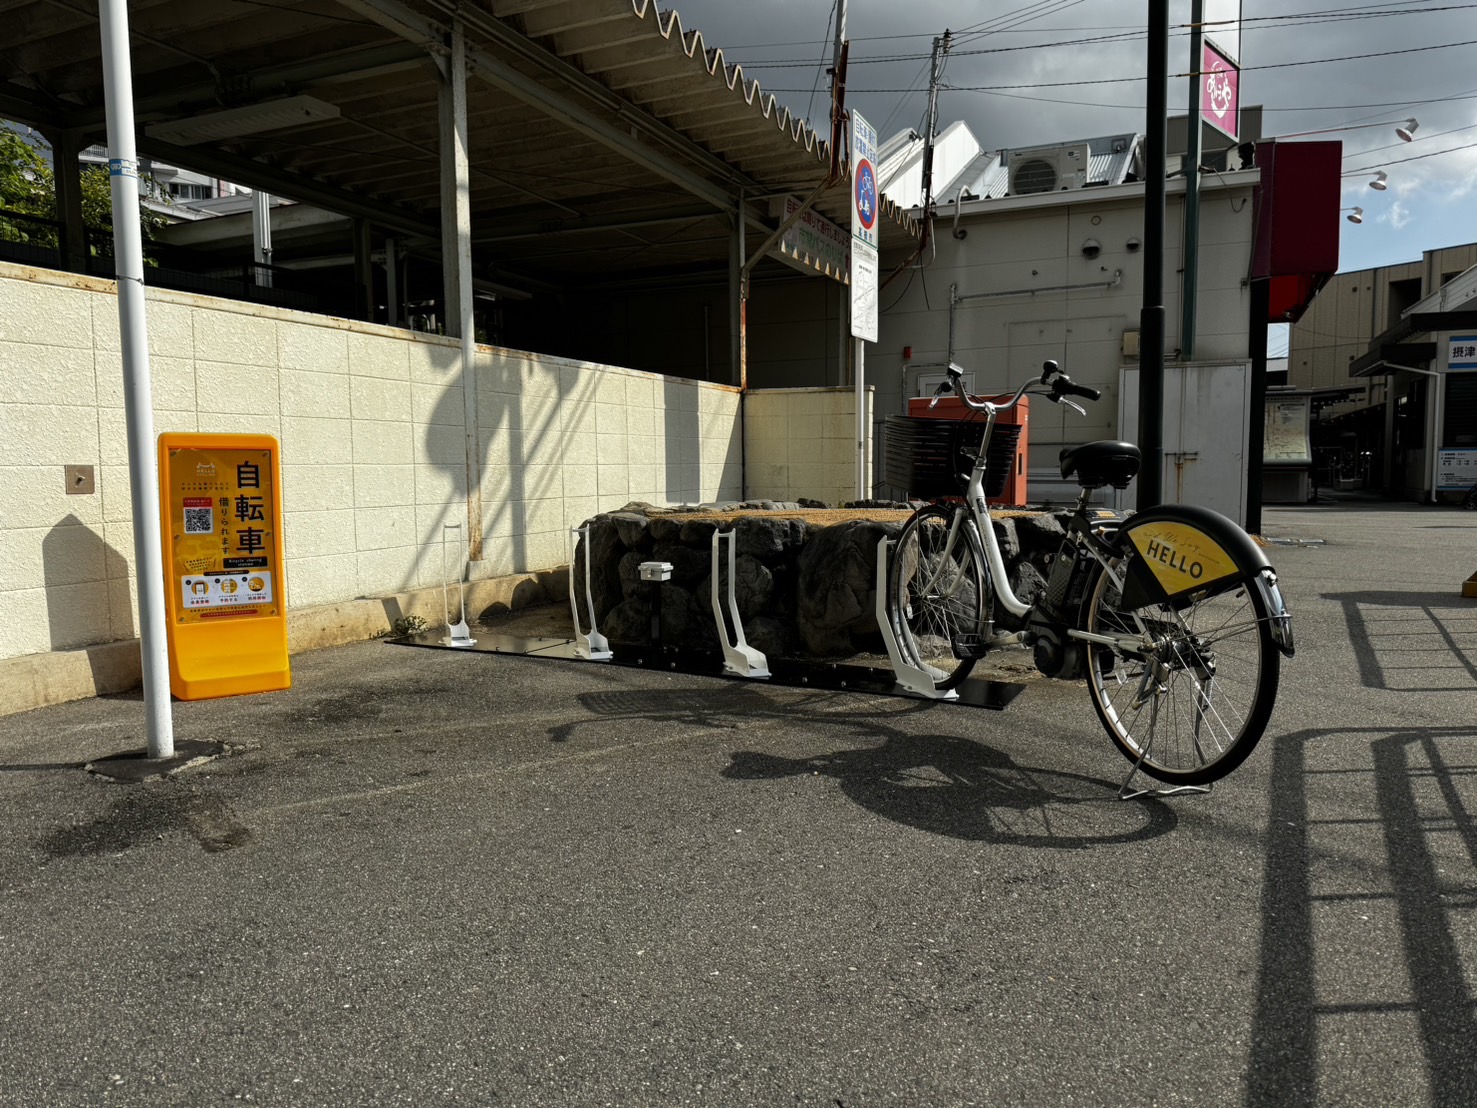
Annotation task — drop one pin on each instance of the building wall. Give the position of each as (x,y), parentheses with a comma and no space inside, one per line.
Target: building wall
(795,331)
(1009,266)
(1355,307)
(371,424)
(801,443)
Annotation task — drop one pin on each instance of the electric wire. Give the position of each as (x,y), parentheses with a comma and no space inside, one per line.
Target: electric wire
(1126,35)
(821,67)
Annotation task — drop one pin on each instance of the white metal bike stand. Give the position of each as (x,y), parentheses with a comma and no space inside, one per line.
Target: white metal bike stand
(909,676)
(587,644)
(457,633)
(738,656)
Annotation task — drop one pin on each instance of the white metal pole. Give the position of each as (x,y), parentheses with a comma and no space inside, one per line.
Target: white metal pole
(143,465)
(261,237)
(1438,417)
(861,421)
(392,282)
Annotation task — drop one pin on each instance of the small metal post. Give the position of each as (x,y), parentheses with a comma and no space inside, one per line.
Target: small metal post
(654,573)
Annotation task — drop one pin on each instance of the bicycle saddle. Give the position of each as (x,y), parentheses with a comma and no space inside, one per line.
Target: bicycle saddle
(1101,463)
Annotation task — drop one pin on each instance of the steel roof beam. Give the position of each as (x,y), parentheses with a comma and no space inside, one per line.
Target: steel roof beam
(409,24)
(591,226)
(574,78)
(255,174)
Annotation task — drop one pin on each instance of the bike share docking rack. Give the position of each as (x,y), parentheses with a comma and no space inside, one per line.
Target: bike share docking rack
(733,656)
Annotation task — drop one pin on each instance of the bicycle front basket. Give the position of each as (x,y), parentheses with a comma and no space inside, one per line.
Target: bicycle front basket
(933,457)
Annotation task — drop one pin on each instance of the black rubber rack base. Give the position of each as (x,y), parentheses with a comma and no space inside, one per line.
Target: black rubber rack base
(793,673)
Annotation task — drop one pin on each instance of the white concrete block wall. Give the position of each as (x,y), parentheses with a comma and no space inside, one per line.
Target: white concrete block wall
(373,447)
(802,443)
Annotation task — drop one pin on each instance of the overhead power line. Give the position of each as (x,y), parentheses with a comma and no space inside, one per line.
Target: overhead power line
(1383,162)
(1122,35)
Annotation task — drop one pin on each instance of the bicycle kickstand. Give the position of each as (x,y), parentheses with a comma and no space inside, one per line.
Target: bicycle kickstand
(1125,793)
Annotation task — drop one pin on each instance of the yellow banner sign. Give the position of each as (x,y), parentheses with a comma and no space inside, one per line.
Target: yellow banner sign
(223,562)
(223,523)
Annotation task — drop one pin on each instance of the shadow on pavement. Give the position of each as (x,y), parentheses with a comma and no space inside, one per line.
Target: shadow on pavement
(966,790)
(1412,641)
(1331,924)
(935,783)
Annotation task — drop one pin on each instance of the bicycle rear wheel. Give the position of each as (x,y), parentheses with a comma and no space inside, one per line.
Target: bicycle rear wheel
(937,594)
(1190,701)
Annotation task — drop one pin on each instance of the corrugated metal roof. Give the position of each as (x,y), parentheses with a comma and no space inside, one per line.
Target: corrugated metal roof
(603,134)
(679,79)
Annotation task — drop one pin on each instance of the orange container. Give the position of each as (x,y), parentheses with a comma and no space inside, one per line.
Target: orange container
(951,407)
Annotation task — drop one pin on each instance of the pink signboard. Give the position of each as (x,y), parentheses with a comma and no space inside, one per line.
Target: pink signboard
(1218,91)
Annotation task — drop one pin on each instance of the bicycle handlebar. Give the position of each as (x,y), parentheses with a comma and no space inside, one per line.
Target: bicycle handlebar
(1085,391)
(1056,385)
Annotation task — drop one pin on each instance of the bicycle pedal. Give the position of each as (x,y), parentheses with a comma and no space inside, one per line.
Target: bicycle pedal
(969,646)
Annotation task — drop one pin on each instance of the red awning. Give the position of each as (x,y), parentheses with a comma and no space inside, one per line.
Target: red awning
(1297,224)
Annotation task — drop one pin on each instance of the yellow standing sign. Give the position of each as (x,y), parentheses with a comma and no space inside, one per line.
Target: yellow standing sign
(227,616)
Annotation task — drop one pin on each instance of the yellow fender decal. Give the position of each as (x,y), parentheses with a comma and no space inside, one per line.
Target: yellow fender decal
(1181,557)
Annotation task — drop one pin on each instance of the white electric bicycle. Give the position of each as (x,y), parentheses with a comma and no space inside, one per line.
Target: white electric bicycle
(1172,615)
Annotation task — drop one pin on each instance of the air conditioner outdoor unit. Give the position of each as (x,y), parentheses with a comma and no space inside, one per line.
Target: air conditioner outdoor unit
(1048,170)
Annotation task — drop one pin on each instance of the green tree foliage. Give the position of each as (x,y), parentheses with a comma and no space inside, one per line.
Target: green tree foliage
(28,188)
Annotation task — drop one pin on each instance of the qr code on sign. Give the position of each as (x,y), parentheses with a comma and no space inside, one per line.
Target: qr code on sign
(199,521)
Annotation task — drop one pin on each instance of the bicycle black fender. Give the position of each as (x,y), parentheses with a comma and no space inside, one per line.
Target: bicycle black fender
(1177,552)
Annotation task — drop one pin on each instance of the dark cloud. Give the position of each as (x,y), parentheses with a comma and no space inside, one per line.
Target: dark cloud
(1282,51)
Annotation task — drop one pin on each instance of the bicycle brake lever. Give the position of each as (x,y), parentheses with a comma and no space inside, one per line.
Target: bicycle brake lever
(1073,404)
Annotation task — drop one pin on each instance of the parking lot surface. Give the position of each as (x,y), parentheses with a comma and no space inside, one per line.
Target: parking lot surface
(429,877)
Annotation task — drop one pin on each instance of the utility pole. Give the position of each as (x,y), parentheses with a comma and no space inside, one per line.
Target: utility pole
(1151,317)
(935,74)
(838,101)
(839,51)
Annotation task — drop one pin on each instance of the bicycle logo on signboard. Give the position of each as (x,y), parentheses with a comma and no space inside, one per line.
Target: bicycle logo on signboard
(866,194)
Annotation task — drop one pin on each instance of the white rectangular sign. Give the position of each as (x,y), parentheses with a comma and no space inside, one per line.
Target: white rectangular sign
(865,213)
(1456,470)
(1223,26)
(1461,352)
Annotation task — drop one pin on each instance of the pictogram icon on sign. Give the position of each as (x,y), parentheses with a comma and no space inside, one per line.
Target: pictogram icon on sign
(866,194)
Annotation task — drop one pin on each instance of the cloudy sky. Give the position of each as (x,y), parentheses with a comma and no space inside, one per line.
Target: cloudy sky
(1026,74)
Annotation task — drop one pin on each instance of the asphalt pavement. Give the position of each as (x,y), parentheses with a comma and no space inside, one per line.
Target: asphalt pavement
(427,877)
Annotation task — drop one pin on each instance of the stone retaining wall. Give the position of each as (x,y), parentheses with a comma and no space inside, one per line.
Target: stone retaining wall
(805,577)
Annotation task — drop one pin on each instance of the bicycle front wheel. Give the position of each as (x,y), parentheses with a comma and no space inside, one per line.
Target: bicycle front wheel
(937,594)
(1187,693)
